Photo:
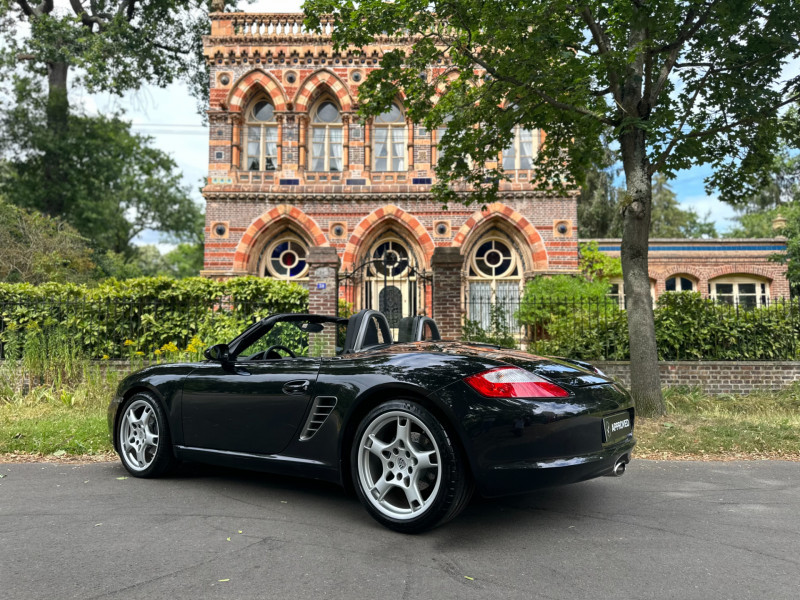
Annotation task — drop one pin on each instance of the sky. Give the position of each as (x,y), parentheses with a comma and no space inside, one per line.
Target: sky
(170,116)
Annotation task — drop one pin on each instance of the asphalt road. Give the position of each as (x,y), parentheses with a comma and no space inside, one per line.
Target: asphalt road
(664,530)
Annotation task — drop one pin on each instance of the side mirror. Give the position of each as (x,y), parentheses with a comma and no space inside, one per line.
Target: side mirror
(218,353)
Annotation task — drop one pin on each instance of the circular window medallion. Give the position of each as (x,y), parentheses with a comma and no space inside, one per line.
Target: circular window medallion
(355,76)
(338,231)
(220,229)
(286,259)
(291,77)
(441,229)
(224,79)
(494,258)
(390,259)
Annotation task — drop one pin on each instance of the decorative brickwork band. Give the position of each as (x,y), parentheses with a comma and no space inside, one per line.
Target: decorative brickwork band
(251,241)
(447,264)
(318,81)
(253,82)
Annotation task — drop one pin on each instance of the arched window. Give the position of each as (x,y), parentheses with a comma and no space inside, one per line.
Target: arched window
(389,140)
(326,137)
(522,151)
(261,133)
(285,258)
(679,283)
(495,279)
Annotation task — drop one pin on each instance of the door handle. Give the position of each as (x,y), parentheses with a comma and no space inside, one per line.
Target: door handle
(299,386)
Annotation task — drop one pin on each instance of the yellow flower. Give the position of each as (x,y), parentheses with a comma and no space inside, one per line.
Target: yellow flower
(157,352)
(137,353)
(128,343)
(105,356)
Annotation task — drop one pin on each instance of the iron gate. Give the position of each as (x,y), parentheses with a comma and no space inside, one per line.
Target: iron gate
(391,284)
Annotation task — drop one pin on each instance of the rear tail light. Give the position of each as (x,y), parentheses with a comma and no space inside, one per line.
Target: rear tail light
(513,382)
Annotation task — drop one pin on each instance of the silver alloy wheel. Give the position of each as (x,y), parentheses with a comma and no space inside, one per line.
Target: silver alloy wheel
(399,465)
(138,435)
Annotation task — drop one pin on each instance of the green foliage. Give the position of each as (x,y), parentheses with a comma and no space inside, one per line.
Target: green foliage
(107,182)
(142,317)
(499,331)
(35,248)
(595,264)
(573,316)
(687,326)
(115,45)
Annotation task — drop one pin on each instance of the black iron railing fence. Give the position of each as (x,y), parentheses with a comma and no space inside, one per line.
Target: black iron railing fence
(688,327)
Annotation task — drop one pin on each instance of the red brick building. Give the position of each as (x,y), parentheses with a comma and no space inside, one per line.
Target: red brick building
(291,168)
(298,188)
(734,271)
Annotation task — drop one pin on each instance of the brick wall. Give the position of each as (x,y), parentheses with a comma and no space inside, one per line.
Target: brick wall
(716,377)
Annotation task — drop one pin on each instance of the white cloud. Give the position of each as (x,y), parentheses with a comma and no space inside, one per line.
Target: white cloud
(718,211)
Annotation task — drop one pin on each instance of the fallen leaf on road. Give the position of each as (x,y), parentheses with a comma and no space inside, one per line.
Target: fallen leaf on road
(222,580)
(240,531)
(121,478)
(229,539)
(468,577)
(97,524)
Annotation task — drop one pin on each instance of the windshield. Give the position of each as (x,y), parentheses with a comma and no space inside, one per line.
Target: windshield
(306,338)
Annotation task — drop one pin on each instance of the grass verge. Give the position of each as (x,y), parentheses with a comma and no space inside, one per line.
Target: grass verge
(697,426)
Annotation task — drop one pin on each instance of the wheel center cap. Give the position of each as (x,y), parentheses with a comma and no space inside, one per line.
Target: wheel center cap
(401,463)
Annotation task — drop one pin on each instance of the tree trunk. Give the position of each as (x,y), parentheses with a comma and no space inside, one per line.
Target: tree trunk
(645,380)
(57,122)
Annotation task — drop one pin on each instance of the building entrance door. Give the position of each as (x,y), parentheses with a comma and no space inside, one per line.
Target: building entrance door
(389,281)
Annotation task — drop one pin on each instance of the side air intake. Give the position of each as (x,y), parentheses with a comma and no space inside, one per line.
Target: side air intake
(321,409)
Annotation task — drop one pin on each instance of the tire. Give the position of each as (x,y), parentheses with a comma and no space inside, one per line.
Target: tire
(145,445)
(407,471)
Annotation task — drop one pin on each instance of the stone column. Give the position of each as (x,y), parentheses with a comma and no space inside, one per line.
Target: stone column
(302,151)
(448,291)
(345,144)
(236,141)
(323,296)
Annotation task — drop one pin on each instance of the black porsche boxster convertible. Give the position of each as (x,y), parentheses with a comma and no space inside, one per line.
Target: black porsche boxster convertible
(414,426)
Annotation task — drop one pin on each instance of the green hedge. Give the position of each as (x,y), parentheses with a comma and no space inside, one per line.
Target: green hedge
(688,327)
(142,316)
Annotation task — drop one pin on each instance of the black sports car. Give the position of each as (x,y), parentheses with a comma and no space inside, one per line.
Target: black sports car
(414,426)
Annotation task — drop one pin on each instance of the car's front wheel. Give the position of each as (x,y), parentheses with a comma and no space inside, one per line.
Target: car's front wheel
(409,473)
(143,437)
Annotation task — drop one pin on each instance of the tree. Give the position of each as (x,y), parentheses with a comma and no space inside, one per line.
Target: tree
(112,183)
(36,249)
(115,45)
(669,220)
(679,82)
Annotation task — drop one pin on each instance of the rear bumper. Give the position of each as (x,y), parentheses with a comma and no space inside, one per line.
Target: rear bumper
(527,475)
(515,445)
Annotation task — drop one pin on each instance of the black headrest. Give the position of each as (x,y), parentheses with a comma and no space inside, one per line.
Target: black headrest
(362,331)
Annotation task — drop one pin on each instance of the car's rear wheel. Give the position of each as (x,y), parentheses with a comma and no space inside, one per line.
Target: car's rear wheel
(143,437)
(409,473)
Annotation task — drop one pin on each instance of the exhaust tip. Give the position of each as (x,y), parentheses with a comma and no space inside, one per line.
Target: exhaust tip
(619,469)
